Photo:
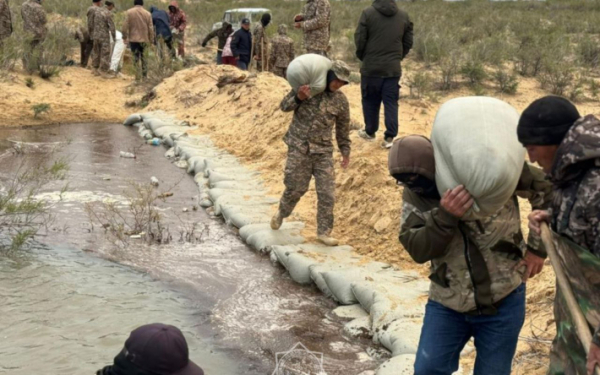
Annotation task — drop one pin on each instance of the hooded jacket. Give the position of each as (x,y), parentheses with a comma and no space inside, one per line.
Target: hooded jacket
(222,34)
(576,178)
(6,27)
(178,19)
(472,263)
(383,38)
(160,20)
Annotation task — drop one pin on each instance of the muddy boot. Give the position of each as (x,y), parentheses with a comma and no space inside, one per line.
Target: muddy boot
(364,135)
(387,142)
(327,240)
(276,221)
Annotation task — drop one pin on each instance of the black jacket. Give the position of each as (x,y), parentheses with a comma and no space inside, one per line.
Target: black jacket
(160,19)
(383,38)
(242,44)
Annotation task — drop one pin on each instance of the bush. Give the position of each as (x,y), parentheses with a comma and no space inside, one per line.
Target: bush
(449,67)
(39,109)
(588,52)
(507,83)
(474,72)
(556,77)
(419,84)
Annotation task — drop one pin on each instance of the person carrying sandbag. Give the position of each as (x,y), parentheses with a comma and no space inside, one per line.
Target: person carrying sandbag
(310,148)
(567,147)
(478,267)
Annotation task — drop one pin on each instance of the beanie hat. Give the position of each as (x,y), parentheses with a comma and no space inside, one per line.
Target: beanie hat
(412,154)
(546,121)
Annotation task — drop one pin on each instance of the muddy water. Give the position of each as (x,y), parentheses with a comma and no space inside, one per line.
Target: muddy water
(67,305)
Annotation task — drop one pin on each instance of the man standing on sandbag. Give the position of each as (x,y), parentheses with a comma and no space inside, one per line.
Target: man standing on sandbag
(567,147)
(383,38)
(222,34)
(261,44)
(282,52)
(315,22)
(310,148)
(478,268)
(241,46)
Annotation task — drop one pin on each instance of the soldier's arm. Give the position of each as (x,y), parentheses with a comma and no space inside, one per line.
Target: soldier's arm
(90,19)
(290,102)
(534,187)
(342,126)
(425,235)
(407,39)
(210,36)
(361,36)
(321,19)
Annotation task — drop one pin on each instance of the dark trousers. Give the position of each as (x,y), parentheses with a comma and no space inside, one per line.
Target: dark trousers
(138,54)
(244,62)
(161,42)
(219,58)
(376,90)
(445,333)
(86,52)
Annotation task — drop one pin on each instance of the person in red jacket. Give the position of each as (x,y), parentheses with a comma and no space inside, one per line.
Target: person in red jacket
(178,25)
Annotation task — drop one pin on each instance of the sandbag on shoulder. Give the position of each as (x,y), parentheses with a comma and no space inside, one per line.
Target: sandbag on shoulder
(401,336)
(475,144)
(309,69)
(132,119)
(249,230)
(398,365)
(263,241)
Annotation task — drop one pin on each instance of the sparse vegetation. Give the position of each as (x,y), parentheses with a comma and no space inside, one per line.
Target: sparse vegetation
(39,109)
(508,83)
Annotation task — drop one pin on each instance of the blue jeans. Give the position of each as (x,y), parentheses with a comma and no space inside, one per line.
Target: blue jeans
(446,332)
(219,58)
(376,90)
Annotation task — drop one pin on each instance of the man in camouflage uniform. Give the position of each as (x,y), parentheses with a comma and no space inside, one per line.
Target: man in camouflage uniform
(6,27)
(310,148)
(103,29)
(282,52)
(478,268)
(261,44)
(34,24)
(315,23)
(567,147)
(83,37)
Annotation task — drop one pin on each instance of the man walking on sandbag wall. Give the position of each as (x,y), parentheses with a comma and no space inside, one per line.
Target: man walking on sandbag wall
(315,22)
(383,38)
(567,146)
(478,267)
(310,148)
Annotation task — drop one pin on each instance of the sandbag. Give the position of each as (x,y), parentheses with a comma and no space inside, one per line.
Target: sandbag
(226,170)
(401,336)
(166,131)
(240,185)
(398,365)
(475,144)
(249,230)
(263,241)
(339,282)
(309,69)
(359,327)
(240,216)
(364,293)
(236,200)
(132,119)
(219,177)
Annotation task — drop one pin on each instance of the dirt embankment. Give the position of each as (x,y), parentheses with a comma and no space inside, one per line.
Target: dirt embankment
(245,120)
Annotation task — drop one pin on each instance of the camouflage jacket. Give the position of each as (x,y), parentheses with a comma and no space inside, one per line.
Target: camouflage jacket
(316,25)
(104,26)
(90,19)
(259,38)
(282,51)
(6,27)
(314,121)
(576,179)
(472,262)
(34,19)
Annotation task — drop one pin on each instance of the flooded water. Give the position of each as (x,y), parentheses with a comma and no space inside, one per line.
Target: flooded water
(68,304)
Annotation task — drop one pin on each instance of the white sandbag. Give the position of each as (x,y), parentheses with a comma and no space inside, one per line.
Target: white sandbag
(309,69)
(218,177)
(236,200)
(388,307)
(398,365)
(240,185)
(349,312)
(132,119)
(240,216)
(118,51)
(264,241)
(166,131)
(339,282)
(475,144)
(249,230)
(222,161)
(146,134)
(401,336)
(364,294)
(226,170)
(359,327)
(153,123)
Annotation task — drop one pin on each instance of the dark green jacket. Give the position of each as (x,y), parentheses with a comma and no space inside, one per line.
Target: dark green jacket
(383,38)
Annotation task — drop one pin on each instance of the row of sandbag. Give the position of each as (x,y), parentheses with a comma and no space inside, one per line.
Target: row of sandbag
(391,300)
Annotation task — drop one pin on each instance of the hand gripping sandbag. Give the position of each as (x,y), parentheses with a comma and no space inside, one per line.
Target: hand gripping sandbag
(309,70)
(475,144)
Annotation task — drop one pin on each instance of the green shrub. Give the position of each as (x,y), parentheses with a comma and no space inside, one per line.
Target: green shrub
(588,52)
(474,72)
(420,84)
(508,83)
(39,109)
(556,77)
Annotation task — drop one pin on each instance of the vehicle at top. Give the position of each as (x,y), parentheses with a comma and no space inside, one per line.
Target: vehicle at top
(235,16)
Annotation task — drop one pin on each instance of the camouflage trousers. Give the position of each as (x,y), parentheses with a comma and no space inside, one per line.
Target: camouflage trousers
(281,72)
(317,52)
(32,55)
(299,170)
(101,56)
(567,356)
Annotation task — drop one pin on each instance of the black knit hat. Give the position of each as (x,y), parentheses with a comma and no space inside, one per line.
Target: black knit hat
(546,121)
